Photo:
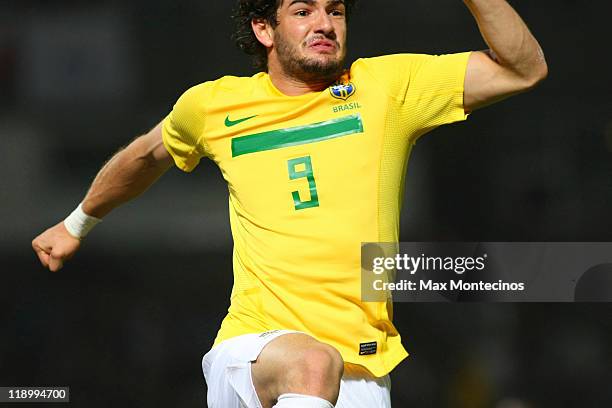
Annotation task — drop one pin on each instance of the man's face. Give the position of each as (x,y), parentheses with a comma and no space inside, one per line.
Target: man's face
(310,39)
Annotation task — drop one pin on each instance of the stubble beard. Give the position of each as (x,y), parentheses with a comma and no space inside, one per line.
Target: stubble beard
(304,68)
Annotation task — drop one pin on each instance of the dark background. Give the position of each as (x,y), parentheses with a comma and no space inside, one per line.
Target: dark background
(127,321)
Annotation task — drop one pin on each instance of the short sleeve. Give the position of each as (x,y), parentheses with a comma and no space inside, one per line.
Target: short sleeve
(436,89)
(428,89)
(183,129)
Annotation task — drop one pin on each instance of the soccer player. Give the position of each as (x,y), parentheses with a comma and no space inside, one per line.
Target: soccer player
(314,156)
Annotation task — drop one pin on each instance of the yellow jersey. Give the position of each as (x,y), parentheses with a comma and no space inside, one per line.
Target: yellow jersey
(310,178)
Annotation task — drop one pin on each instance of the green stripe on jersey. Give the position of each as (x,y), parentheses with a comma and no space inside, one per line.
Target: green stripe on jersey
(315,132)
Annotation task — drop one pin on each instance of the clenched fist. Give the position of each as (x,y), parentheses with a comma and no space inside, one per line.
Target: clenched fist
(55,246)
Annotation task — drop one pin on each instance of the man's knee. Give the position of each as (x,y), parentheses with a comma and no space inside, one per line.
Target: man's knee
(315,367)
(297,363)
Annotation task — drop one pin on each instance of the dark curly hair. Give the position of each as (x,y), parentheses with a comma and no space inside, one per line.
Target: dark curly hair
(249,10)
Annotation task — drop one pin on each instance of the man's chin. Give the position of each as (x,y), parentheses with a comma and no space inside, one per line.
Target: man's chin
(314,68)
(323,57)
(324,64)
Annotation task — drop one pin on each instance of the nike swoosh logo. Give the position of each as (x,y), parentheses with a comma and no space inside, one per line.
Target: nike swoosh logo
(230,123)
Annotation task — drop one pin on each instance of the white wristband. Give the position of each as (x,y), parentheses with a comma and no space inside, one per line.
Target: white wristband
(79,224)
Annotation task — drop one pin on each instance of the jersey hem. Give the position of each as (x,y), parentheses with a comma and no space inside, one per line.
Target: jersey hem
(386,362)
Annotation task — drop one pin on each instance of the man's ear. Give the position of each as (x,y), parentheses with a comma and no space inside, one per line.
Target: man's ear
(263,31)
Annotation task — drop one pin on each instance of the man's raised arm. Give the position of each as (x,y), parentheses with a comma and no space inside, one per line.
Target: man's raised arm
(125,176)
(515,62)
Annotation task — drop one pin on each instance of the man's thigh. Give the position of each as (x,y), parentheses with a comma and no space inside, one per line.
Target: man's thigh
(227,370)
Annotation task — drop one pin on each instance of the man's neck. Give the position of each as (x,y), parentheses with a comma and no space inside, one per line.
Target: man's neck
(292,86)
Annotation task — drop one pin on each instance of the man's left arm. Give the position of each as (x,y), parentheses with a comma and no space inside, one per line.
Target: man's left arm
(514,63)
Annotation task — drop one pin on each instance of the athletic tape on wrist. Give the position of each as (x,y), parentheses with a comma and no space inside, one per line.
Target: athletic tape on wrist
(79,224)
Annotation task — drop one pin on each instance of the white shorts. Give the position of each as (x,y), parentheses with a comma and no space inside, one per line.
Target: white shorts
(227,370)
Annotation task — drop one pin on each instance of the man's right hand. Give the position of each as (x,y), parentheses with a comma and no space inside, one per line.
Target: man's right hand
(55,246)
(125,176)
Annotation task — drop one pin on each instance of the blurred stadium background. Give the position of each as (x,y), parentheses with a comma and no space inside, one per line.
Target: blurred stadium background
(127,321)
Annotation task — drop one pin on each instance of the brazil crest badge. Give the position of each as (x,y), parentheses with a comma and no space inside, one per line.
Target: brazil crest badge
(342,91)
